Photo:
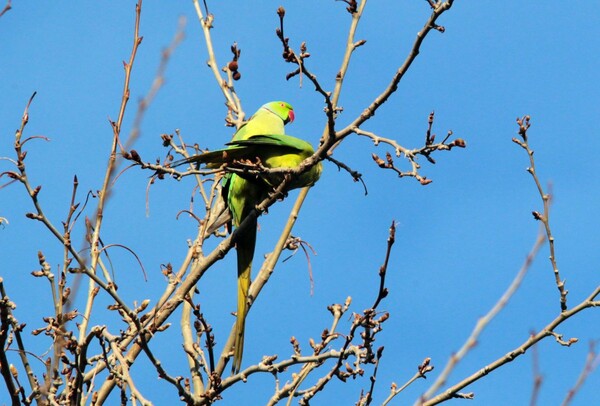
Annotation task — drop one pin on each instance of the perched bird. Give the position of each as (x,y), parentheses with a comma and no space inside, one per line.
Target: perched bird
(262,139)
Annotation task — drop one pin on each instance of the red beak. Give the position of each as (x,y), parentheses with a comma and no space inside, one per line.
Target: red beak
(291,116)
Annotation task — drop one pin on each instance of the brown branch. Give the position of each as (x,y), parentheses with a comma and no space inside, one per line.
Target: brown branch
(422,370)
(591,363)
(351,45)
(124,369)
(371,327)
(290,389)
(368,322)
(537,376)
(368,398)
(39,215)
(383,292)
(524,125)
(157,83)
(190,348)
(410,154)
(233,102)
(485,320)
(356,176)
(110,169)
(290,56)
(5,326)
(6,8)
(439,9)
(518,351)
(172,299)
(268,366)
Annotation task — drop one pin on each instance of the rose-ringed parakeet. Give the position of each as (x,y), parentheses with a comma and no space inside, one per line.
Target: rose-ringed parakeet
(261,139)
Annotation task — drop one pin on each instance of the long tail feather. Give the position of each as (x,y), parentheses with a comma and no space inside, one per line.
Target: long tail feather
(245,252)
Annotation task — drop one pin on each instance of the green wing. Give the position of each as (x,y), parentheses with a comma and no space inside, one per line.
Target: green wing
(280,140)
(262,146)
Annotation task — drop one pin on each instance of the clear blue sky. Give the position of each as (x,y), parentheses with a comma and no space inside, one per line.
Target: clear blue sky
(460,240)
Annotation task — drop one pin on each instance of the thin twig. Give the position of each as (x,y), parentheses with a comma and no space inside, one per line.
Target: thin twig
(547,331)
(197,270)
(110,169)
(5,328)
(6,8)
(188,345)
(290,389)
(524,124)
(356,176)
(485,320)
(371,327)
(233,102)
(157,83)
(411,154)
(591,363)
(537,376)
(124,370)
(422,369)
(440,8)
(366,400)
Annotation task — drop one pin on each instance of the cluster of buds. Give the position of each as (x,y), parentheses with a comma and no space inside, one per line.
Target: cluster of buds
(524,124)
(233,65)
(352,6)
(288,54)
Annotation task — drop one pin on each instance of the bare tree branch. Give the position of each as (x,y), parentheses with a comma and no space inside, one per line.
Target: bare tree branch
(7,7)
(482,323)
(547,331)
(591,363)
(524,125)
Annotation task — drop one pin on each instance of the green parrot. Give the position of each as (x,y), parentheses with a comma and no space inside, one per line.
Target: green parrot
(262,137)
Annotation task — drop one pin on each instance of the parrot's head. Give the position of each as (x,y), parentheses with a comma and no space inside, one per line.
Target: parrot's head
(282,109)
